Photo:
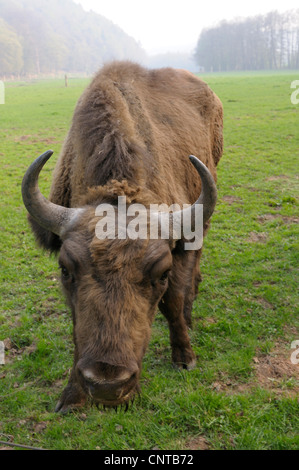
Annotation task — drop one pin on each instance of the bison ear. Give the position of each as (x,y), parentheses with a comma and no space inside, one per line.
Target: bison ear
(45,239)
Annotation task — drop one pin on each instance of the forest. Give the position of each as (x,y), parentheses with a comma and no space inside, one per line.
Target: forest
(42,37)
(263,42)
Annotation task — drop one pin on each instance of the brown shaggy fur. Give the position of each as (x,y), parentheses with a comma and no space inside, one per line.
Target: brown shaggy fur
(132,132)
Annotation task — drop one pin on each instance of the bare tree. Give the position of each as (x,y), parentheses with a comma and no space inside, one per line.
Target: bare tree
(262,42)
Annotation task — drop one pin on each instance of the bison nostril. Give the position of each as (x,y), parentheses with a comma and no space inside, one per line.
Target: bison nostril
(103,384)
(90,377)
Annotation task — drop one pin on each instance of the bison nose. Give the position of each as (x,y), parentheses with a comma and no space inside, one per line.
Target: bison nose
(108,384)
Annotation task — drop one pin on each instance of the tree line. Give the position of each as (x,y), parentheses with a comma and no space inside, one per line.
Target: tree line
(263,42)
(42,37)
(49,37)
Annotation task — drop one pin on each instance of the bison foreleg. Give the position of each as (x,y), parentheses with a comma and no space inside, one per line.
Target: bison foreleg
(172,307)
(71,397)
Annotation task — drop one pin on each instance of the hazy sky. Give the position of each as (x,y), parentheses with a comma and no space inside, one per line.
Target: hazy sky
(175,25)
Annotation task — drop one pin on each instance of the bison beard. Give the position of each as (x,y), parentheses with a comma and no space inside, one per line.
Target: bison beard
(131,133)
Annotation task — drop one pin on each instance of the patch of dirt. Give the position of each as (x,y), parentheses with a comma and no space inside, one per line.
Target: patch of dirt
(264,303)
(33,139)
(269,217)
(22,138)
(277,178)
(258,237)
(197,443)
(210,320)
(231,199)
(34,426)
(253,190)
(14,351)
(271,372)
(291,220)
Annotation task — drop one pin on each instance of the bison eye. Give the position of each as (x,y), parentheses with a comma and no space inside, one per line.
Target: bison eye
(164,276)
(161,280)
(64,272)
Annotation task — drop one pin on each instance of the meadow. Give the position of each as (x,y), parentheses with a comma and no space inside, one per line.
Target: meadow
(244,391)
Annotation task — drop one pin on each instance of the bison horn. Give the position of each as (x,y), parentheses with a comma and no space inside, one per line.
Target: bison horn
(50,216)
(208,196)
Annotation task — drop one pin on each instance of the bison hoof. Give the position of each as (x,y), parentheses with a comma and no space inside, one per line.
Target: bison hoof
(191,365)
(72,397)
(185,361)
(182,365)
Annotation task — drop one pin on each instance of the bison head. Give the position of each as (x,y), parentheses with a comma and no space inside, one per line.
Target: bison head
(113,287)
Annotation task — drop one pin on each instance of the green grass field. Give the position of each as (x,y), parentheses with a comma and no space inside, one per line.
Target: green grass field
(244,392)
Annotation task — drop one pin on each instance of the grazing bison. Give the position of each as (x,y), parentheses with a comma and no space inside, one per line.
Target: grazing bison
(131,134)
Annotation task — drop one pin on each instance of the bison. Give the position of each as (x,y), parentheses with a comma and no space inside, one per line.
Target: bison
(131,134)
